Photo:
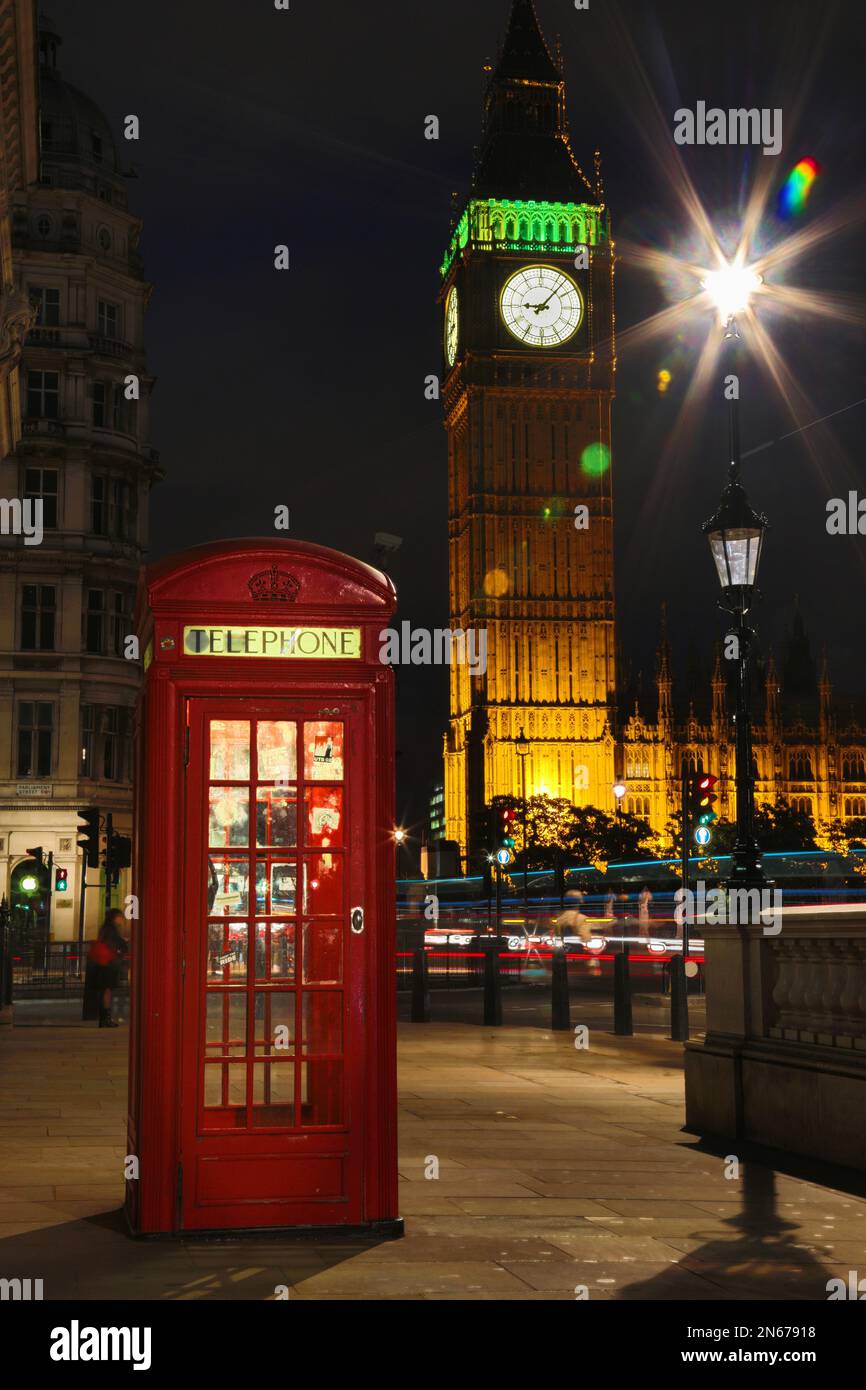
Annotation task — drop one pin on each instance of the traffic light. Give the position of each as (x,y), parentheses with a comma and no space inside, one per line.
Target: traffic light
(61,880)
(700,805)
(38,855)
(89,840)
(506,827)
(118,855)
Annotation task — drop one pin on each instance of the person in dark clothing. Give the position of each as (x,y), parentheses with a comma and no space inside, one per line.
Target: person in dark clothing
(103,968)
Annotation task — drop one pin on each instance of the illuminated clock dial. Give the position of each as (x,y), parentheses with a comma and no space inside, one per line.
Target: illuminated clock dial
(541,306)
(452,326)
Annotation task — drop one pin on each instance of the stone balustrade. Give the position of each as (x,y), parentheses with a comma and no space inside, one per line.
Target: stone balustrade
(818,991)
(783,1061)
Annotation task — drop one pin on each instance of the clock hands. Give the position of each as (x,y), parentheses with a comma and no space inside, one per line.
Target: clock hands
(538,307)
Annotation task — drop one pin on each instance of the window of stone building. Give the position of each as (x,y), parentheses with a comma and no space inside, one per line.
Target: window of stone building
(103,238)
(108,318)
(113,507)
(38,613)
(110,409)
(35,737)
(94,621)
(106,743)
(106,622)
(44,226)
(40,484)
(46,301)
(800,767)
(98,394)
(123,412)
(43,395)
(118,622)
(854,768)
(855,806)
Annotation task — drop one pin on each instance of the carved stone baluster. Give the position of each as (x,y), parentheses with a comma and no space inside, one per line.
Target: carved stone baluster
(834,983)
(851,1019)
(812,998)
(796,1013)
(782,987)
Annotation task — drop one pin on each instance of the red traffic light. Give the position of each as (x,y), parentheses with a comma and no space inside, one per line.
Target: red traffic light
(701,797)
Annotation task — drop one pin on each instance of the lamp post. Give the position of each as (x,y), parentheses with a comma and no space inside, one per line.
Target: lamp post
(735,533)
(619,791)
(522,746)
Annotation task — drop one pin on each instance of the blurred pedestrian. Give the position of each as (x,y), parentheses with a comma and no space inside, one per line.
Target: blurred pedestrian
(644,899)
(102,974)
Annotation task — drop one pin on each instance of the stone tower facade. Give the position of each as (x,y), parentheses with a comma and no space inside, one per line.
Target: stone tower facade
(74,407)
(529,364)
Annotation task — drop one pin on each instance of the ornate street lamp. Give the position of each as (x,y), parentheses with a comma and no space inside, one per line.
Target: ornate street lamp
(522,746)
(736,534)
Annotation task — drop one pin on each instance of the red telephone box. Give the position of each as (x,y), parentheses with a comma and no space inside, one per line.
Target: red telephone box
(262,1077)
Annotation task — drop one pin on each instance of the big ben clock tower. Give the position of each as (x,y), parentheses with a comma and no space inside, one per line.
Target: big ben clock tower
(527,305)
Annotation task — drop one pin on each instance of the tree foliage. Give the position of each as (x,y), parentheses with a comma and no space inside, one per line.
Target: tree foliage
(556,831)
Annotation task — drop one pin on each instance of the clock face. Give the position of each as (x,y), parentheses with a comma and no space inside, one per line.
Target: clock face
(452,327)
(541,306)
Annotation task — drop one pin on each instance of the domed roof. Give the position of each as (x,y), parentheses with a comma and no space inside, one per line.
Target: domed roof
(73,129)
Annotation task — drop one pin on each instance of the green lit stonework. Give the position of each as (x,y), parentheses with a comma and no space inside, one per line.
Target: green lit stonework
(502,224)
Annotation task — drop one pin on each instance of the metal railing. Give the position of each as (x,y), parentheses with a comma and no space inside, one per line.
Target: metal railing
(53,970)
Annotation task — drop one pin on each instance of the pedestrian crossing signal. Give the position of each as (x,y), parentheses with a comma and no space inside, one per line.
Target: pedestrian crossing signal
(61,880)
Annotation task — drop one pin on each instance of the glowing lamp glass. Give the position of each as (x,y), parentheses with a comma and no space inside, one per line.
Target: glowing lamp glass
(730,289)
(736,554)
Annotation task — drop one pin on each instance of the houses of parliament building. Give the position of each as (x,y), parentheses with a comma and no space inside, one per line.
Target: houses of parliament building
(527,302)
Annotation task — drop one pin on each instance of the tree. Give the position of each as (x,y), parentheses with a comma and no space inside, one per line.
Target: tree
(781,827)
(558,831)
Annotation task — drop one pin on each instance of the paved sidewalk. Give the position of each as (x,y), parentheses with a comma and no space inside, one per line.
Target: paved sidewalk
(559,1170)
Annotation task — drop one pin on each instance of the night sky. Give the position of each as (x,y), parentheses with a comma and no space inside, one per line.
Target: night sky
(307,388)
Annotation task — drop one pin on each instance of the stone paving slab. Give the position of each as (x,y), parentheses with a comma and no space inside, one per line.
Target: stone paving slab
(559,1170)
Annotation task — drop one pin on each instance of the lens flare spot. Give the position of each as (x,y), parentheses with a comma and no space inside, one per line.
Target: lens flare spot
(794,193)
(495,583)
(663,381)
(595,459)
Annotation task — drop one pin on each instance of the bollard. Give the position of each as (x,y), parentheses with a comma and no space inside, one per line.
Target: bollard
(679,1001)
(560,1011)
(622,1016)
(492,985)
(420,988)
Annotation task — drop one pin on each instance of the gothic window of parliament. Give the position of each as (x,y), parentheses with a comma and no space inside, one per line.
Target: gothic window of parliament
(800,768)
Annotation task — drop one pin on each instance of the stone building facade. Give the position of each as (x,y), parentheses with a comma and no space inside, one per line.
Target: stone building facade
(74,427)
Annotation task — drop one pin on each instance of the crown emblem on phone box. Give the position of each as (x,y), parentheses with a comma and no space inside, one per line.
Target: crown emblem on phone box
(274,586)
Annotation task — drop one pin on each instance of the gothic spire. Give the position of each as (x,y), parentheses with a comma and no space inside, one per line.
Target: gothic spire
(525,54)
(525,152)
